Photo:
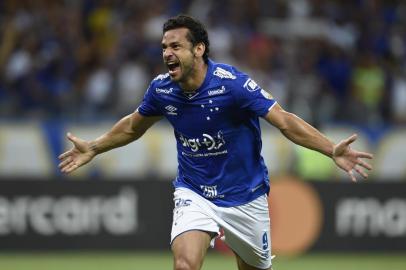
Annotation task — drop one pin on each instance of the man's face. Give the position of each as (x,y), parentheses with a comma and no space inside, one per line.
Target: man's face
(178,54)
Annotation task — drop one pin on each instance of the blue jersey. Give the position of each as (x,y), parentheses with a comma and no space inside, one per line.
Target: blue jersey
(217,133)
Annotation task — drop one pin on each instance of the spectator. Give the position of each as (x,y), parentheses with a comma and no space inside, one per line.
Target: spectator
(98,55)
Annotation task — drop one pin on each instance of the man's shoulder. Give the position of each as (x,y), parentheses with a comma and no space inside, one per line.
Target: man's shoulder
(161,84)
(227,72)
(161,81)
(228,76)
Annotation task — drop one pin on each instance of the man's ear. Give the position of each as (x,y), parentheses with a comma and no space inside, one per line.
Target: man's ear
(199,49)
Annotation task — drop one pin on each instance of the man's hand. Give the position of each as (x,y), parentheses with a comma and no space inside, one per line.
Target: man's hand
(80,154)
(349,159)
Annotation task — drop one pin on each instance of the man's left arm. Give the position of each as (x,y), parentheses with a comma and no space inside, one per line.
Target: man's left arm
(300,132)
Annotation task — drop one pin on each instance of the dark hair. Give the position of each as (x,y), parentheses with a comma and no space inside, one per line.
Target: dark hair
(197,31)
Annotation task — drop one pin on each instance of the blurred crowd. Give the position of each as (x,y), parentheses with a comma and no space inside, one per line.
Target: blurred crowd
(326,60)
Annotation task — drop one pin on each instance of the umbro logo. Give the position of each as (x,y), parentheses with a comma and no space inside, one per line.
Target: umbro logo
(171,110)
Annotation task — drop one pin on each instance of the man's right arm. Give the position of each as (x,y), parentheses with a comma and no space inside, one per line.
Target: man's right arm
(128,129)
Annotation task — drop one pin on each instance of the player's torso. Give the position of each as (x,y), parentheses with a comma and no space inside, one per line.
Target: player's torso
(218,138)
(201,120)
(207,110)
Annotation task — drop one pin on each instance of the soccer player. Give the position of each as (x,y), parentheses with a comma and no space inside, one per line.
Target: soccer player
(222,181)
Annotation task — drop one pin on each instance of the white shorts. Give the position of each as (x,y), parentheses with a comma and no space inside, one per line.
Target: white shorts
(246,227)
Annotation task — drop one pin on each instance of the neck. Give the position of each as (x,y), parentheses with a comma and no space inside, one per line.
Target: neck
(196,78)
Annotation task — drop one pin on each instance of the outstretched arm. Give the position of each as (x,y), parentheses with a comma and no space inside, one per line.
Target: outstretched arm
(128,129)
(302,133)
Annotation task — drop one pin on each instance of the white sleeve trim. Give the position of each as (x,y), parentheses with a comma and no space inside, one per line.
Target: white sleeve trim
(270,108)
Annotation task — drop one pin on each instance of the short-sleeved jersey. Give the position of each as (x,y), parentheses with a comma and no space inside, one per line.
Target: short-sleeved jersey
(217,133)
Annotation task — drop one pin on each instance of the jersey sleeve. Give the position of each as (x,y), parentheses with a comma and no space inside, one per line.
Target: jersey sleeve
(250,96)
(149,105)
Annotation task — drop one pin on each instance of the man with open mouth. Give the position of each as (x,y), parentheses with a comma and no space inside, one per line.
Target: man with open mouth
(222,182)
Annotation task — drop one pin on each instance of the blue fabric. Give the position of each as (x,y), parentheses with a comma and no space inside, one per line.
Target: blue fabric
(217,132)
